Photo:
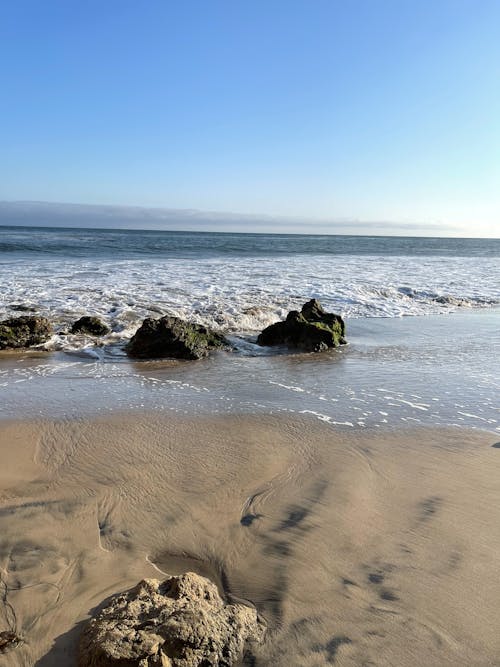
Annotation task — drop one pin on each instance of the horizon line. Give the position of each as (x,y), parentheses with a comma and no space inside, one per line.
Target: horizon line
(242,233)
(162,215)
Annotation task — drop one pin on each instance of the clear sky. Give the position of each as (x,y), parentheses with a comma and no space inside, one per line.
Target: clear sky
(372,110)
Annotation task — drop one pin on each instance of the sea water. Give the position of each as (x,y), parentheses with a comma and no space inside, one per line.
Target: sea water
(438,367)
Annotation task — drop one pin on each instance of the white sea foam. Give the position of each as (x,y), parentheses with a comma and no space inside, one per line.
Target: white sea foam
(241,294)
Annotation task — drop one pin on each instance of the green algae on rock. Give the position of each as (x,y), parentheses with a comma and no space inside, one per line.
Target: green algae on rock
(25,331)
(311,329)
(174,338)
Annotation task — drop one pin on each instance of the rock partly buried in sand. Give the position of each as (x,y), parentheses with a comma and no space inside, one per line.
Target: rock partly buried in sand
(25,331)
(180,622)
(173,337)
(312,330)
(91,326)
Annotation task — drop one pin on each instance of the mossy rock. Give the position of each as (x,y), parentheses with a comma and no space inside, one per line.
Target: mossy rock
(171,337)
(311,329)
(91,326)
(25,331)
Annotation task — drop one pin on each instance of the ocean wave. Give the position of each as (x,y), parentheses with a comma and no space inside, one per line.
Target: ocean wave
(240,295)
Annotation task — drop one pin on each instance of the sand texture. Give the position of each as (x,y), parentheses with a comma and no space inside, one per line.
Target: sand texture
(357,549)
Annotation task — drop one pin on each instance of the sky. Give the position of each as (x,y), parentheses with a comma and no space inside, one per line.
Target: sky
(359,111)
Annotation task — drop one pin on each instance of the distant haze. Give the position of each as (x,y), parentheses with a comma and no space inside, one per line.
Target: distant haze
(49,214)
(370,117)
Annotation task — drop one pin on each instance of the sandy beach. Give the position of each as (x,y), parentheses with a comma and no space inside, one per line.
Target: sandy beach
(361,548)
(250,334)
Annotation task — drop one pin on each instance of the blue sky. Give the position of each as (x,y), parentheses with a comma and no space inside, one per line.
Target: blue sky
(369,110)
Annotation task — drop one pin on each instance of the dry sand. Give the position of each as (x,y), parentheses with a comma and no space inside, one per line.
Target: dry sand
(358,549)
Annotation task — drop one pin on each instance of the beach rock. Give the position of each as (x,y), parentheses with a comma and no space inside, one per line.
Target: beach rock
(91,326)
(180,622)
(311,329)
(173,337)
(24,331)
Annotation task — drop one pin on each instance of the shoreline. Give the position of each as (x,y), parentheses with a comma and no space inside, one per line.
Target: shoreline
(429,371)
(355,546)
(111,346)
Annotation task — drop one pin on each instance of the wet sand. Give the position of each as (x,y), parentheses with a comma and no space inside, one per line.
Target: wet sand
(361,548)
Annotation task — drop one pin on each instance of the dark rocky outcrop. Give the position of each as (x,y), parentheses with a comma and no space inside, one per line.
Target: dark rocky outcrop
(311,329)
(180,622)
(25,331)
(91,326)
(173,337)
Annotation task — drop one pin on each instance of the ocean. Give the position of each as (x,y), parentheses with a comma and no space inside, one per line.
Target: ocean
(422,318)
(351,495)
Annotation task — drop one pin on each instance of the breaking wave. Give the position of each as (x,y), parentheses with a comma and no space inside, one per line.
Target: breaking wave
(240,294)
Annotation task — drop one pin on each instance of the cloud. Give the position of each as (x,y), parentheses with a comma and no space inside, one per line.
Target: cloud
(50,214)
